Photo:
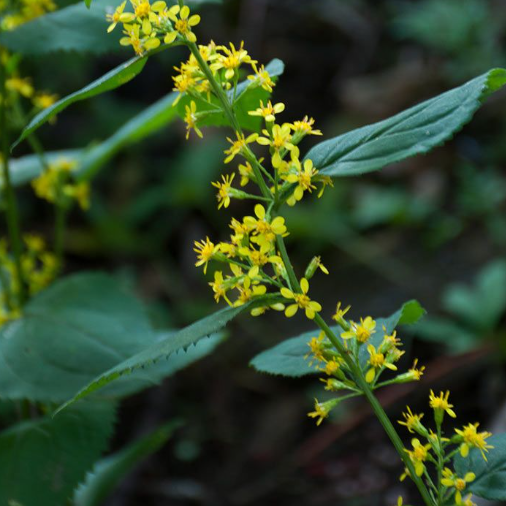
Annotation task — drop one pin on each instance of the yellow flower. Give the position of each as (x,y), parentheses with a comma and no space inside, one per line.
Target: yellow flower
(191,120)
(440,404)
(268,111)
(224,190)
(220,287)
(322,409)
(412,421)
(467,501)
(316,263)
(239,145)
(231,60)
(133,38)
(118,16)
(416,373)
(303,179)
(317,347)
(266,230)
(471,438)
(205,251)
(262,78)
(451,480)
(418,455)
(80,192)
(246,173)
(305,127)
(339,314)
(361,332)
(247,292)
(44,100)
(279,139)
(182,24)
(302,301)
(23,86)
(377,361)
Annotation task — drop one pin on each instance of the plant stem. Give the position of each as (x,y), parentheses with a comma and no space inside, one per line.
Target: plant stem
(360,381)
(11,210)
(227,108)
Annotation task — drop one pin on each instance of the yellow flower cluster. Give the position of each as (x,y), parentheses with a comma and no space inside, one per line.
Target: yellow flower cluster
(356,339)
(39,267)
(56,186)
(16,13)
(149,24)
(21,87)
(438,449)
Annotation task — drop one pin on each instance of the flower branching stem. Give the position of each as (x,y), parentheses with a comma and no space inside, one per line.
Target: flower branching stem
(295,285)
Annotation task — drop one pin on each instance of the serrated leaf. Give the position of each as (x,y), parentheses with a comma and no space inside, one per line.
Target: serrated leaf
(247,99)
(109,472)
(490,474)
(414,131)
(80,327)
(180,340)
(113,79)
(73,28)
(42,461)
(288,357)
(150,120)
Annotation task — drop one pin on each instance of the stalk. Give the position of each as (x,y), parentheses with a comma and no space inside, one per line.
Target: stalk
(360,381)
(354,368)
(11,209)
(227,108)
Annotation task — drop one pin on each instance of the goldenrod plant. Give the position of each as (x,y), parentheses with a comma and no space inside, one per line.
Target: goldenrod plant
(221,84)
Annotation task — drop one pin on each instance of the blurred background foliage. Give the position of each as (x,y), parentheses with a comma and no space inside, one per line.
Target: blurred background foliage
(431,228)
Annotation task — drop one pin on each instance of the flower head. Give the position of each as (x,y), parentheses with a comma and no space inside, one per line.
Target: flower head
(205,251)
(471,438)
(302,301)
(183,24)
(239,145)
(413,421)
(224,190)
(361,331)
(440,405)
(418,455)
(452,480)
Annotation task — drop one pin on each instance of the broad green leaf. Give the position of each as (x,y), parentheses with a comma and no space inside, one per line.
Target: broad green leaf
(288,357)
(247,99)
(482,305)
(42,461)
(28,167)
(412,132)
(73,28)
(113,79)
(490,474)
(150,120)
(453,336)
(152,354)
(77,329)
(110,471)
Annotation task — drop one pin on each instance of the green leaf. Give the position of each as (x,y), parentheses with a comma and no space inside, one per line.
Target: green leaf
(412,132)
(247,99)
(150,120)
(490,474)
(482,305)
(28,167)
(42,461)
(77,329)
(180,340)
(287,358)
(113,79)
(73,28)
(109,472)
(453,336)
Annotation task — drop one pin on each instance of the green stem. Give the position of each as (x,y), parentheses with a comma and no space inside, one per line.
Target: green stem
(11,210)
(227,108)
(440,465)
(360,381)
